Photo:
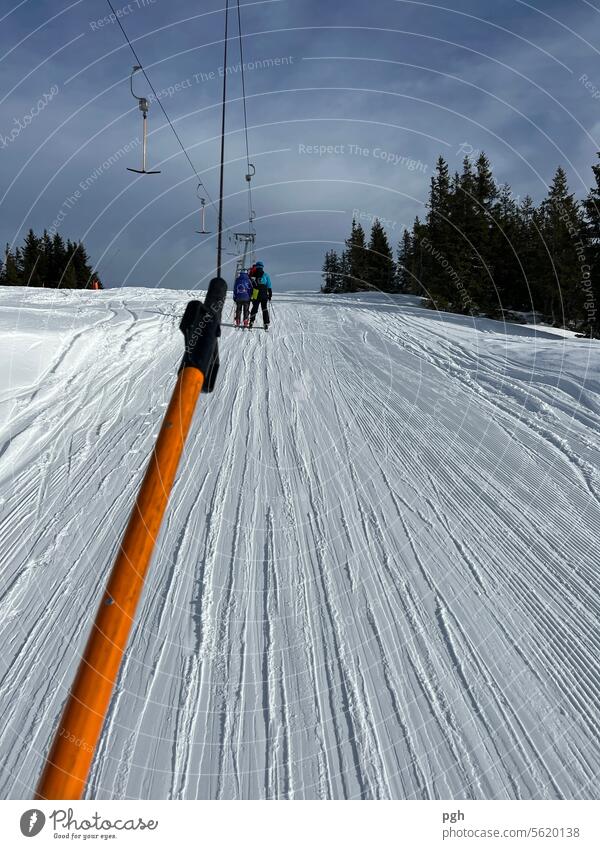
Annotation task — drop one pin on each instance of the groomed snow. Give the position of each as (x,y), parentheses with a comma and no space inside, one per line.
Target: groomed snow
(378,575)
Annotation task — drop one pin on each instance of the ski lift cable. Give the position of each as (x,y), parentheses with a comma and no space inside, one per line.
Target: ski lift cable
(164,111)
(251,169)
(222,174)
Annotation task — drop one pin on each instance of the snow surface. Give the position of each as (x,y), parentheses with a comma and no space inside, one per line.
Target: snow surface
(378,575)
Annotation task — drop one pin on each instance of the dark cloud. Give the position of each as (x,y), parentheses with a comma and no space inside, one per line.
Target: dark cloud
(349,106)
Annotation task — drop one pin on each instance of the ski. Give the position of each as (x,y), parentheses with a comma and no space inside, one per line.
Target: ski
(240,327)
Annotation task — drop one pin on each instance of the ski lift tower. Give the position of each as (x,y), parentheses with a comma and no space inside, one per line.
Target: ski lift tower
(247,240)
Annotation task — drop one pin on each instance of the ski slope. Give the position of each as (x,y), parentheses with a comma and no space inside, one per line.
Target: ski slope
(378,575)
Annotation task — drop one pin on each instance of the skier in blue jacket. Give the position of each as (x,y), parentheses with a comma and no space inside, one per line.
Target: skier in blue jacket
(261,293)
(242,292)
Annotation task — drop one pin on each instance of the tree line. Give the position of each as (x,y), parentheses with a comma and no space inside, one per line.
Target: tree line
(361,265)
(47,261)
(482,251)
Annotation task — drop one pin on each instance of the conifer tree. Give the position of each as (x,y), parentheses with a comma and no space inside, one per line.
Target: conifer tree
(58,261)
(486,196)
(325,273)
(46,261)
(439,235)
(356,259)
(69,275)
(505,247)
(69,278)
(480,251)
(11,275)
(330,266)
(381,270)
(472,266)
(420,254)
(439,206)
(83,270)
(486,192)
(591,302)
(337,272)
(465,211)
(406,262)
(45,258)
(532,254)
(559,289)
(31,257)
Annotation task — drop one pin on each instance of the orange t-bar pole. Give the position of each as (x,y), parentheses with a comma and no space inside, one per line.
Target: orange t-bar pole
(70,757)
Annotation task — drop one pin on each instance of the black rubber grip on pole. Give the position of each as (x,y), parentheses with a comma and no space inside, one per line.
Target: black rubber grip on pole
(201,328)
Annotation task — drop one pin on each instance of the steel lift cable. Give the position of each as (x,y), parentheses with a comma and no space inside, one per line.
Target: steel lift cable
(222,175)
(164,111)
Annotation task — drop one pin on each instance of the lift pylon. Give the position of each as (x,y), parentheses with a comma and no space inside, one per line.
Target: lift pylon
(247,240)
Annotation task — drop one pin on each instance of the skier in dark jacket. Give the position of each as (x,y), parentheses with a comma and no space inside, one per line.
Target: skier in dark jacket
(242,292)
(261,293)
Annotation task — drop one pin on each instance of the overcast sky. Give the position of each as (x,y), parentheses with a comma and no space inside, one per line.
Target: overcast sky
(349,106)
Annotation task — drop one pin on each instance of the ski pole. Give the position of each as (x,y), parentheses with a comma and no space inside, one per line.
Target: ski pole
(67,765)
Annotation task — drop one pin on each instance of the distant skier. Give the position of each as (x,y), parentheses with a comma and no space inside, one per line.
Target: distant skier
(242,292)
(261,293)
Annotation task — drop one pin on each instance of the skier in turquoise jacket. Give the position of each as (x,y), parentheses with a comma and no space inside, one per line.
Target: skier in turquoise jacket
(261,293)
